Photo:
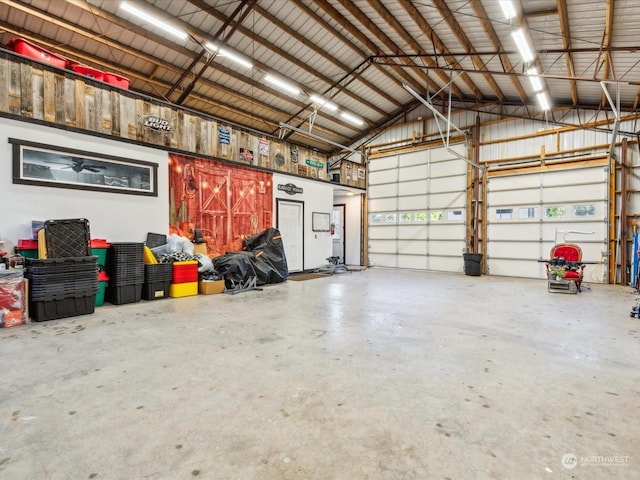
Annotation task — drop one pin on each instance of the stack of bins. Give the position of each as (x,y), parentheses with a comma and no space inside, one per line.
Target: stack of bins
(157,279)
(61,287)
(125,269)
(184,280)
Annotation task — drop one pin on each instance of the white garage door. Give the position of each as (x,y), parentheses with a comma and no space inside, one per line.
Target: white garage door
(417,210)
(527,212)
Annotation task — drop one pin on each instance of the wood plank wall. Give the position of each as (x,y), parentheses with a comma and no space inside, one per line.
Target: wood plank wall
(36,91)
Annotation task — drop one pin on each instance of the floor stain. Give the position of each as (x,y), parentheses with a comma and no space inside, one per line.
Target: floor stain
(178,446)
(72,412)
(484,405)
(195,473)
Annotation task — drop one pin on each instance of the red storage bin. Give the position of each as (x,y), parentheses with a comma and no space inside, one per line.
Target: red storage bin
(27,244)
(115,79)
(185,272)
(28,49)
(88,71)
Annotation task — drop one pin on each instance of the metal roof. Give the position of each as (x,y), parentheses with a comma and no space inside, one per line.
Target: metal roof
(358,54)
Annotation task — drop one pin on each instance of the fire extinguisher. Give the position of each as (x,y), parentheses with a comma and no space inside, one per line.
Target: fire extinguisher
(333,229)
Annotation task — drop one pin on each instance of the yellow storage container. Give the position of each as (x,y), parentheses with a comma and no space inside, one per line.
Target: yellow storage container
(186,289)
(42,244)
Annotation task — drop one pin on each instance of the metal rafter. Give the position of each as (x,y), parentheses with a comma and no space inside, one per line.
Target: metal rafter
(340,35)
(261,41)
(335,89)
(366,41)
(606,42)
(566,40)
(448,17)
(438,45)
(483,18)
(400,30)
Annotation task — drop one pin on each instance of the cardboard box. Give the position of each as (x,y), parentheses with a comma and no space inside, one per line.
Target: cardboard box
(210,287)
(200,248)
(12,318)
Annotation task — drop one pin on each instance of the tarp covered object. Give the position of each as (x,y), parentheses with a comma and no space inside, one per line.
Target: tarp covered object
(263,258)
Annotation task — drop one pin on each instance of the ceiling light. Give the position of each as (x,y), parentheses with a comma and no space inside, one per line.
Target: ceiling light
(287,87)
(523,45)
(352,119)
(154,21)
(543,101)
(536,83)
(508,9)
(323,102)
(223,52)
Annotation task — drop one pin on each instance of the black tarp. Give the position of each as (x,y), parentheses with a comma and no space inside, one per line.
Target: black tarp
(263,258)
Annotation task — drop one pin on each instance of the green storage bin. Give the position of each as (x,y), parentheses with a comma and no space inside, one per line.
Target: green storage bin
(102,287)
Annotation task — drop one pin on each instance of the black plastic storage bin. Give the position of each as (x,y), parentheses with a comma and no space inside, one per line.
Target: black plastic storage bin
(472,264)
(157,279)
(156,290)
(67,238)
(119,295)
(51,309)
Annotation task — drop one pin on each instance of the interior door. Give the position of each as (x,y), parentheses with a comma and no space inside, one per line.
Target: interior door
(337,231)
(290,215)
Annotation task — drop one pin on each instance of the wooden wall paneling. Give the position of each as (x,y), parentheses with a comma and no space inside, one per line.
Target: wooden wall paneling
(244,143)
(294,158)
(4,84)
(278,156)
(172,116)
(197,131)
(79,103)
(26,90)
(49,94)
(128,123)
(59,83)
(150,135)
(14,89)
(90,107)
(190,128)
(116,124)
(98,109)
(180,130)
(213,138)
(105,117)
(139,112)
(69,101)
(38,93)
(303,155)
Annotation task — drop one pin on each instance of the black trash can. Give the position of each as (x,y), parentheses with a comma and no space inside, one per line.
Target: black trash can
(472,264)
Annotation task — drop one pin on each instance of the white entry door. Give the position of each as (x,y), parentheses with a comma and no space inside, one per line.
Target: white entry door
(290,217)
(337,232)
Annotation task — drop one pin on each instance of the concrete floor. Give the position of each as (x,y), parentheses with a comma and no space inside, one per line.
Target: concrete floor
(379,374)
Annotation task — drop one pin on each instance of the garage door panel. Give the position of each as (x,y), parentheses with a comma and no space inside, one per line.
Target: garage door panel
(443,201)
(447,184)
(414,158)
(414,202)
(447,231)
(382,260)
(412,231)
(448,168)
(414,247)
(416,187)
(414,172)
(389,190)
(383,204)
(382,232)
(565,195)
(446,248)
(379,178)
(508,198)
(383,163)
(529,181)
(516,250)
(596,175)
(598,227)
(415,262)
(515,231)
(383,246)
(524,269)
(439,154)
(446,264)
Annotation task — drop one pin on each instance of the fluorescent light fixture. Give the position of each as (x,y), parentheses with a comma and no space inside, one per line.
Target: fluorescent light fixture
(352,119)
(508,9)
(543,100)
(522,44)
(154,21)
(223,52)
(285,86)
(323,102)
(536,83)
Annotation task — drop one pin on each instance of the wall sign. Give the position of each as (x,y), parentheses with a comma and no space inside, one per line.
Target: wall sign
(314,163)
(294,155)
(246,154)
(156,123)
(289,188)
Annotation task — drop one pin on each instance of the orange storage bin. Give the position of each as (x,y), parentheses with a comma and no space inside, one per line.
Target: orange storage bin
(28,49)
(117,80)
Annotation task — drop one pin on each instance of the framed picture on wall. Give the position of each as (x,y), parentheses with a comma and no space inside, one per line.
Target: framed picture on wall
(54,166)
(321,222)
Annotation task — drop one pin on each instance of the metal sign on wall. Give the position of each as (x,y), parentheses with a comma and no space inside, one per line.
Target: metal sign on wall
(156,123)
(289,188)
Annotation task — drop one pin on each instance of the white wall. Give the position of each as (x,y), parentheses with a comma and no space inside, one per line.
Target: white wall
(353,225)
(317,197)
(114,216)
